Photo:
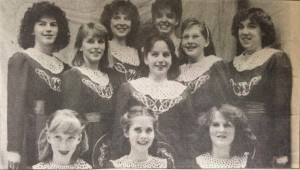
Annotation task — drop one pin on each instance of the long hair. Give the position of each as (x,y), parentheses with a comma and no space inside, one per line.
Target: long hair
(96,30)
(125,7)
(66,121)
(33,15)
(204,30)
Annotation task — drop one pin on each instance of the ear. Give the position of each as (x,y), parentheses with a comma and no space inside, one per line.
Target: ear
(146,60)
(48,137)
(79,138)
(125,133)
(206,43)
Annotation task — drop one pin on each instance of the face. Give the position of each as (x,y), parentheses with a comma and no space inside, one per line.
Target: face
(63,145)
(193,42)
(93,49)
(165,21)
(141,133)
(221,131)
(120,25)
(250,36)
(45,31)
(159,59)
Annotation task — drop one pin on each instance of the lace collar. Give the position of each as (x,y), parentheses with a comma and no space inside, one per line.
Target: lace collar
(243,62)
(152,162)
(125,54)
(95,75)
(79,164)
(207,161)
(50,63)
(158,90)
(190,72)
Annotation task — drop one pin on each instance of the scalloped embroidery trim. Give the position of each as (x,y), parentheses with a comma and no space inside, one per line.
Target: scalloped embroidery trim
(53,82)
(242,62)
(50,63)
(207,161)
(98,77)
(152,162)
(190,72)
(125,54)
(158,90)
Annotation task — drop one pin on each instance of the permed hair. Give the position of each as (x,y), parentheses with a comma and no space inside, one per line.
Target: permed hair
(33,15)
(96,30)
(204,30)
(174,5)
(66,121)
(125,7)
(244,139)
(174,70)
(258,16)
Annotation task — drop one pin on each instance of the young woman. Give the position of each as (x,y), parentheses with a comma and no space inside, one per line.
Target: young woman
(159,93)
(121,19)
(260,81)
(34,80)
(62,142)
(87,88)
(203,72)
(224,140)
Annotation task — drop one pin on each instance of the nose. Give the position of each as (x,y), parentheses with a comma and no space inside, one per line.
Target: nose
(143,135)
(221,128)
(244,30)
(63,144)
(48,28)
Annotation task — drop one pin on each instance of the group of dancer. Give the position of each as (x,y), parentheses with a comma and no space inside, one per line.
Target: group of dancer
(126,101)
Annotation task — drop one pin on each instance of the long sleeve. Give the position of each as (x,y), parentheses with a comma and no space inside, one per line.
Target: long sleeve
(17,84)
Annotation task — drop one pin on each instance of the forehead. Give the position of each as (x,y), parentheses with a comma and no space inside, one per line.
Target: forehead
(47,18)
(193,29)
(93,33)
(60,133)
(142,121)
(248,21)
(218,117)
(160,45)
(121,11)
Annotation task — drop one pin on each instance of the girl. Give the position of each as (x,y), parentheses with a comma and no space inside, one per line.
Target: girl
(203,72)
(62,141)
(224,140)
(87,88)
(34,80)
(260,80)
(140,128)
(159,93)
(121,19)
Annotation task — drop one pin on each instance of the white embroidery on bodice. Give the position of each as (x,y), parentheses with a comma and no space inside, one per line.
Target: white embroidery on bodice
(53,82)
(130,74)
(244,88)
(207,161)
(245,62)
(125,54)
(50,63)
(152,162)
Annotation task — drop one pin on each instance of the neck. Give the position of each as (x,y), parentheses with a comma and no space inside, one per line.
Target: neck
(173,37)
(196,59)
(251,51)
(44,49)
(221,152)
(119,41)
(59,160)
(93,66)
(158,78)
(138,156)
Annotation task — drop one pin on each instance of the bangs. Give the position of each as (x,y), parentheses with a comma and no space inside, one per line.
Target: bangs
(95,30)
(66,125)
(125,10)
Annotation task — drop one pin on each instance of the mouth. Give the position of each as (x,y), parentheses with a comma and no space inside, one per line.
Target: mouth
(160,67)
(121,28)
(164,26)
(221,136)
(142,142)
(63,152)
(190,48)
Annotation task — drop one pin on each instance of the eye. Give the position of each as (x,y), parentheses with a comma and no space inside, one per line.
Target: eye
(127,18)
(215,124)
(227,125)
(185,37)
(57,137)
(42,24)
(170,15)
(116,17)
(195,36)
(166,54)
(53,24)
(240,26)
(71,138)
(252,26)
(101,41)
(90,41)
(138,130)
(149,130)
(158,15)
(155,54)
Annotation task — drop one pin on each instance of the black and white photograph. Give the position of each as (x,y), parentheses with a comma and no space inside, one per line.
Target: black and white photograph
(149,84)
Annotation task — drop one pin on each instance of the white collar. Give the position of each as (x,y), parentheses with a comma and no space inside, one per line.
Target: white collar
(125,54)
(258,58)
(152,162)
(158,90)
(95,75)
(190,72)
(50,63)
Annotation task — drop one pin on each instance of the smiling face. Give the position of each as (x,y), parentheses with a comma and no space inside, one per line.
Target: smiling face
(165,21)
(159,59)
(93,49)
(193,42)
(141,133)
(221,131)
(250,36)
(120,25)
(45,31)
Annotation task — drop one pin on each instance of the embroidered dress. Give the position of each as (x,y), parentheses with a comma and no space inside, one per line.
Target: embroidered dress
(262,84)
(126,63)
(34,92)
(151,163)
(79,164)
(89,93)
(205,80)
(169,100)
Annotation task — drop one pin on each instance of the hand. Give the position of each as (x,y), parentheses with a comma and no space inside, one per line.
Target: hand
(14,160)
(280,162)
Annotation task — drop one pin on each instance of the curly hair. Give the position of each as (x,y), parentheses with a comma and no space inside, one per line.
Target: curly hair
(96,30)
(33,15)
(174,70)
(174,5)
(66,121)
(244,139)
(125,7)
(258,16)
(187,24)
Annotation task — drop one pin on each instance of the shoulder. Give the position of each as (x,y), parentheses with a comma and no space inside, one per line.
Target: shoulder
(81,164)
(41,165)
(19,57)
(72,71)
